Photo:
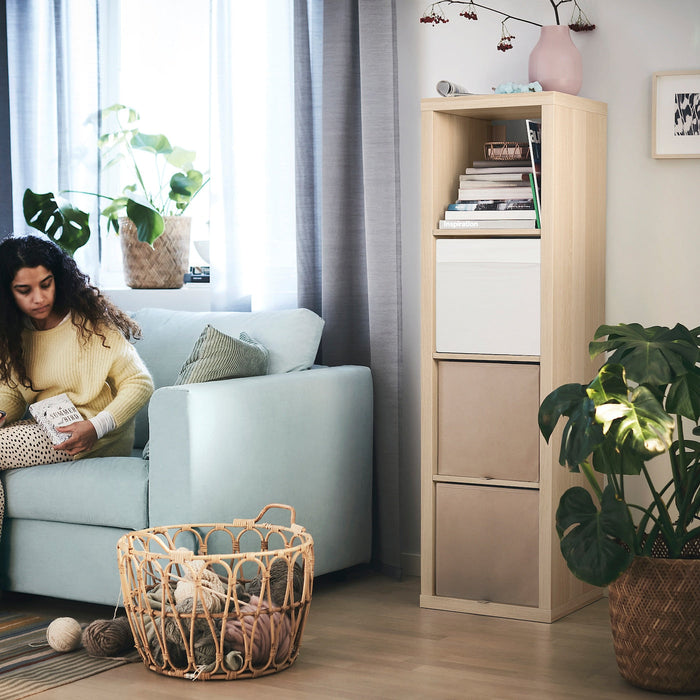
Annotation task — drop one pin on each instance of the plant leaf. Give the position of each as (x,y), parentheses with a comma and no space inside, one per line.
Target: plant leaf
(656,355)
(183,186)
(180,158)
(149,223)
(581,434)
(643,426)
(153,143)
(593,541)
(58,219)
(684,395)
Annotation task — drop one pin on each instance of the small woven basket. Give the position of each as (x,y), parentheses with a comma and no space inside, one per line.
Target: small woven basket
(218,601)
(655,618)
(506,150)
(162,266)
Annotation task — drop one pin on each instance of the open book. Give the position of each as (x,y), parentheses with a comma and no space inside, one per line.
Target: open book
(55,412)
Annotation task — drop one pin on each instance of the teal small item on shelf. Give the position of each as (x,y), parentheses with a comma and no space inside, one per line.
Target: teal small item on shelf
(507,88)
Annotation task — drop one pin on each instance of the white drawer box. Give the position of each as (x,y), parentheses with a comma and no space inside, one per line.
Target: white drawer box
(487,296)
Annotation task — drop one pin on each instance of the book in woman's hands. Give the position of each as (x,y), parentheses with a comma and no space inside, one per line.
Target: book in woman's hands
(55,412)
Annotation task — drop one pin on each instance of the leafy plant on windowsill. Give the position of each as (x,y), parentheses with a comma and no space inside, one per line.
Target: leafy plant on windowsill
(630,412)
(145,201)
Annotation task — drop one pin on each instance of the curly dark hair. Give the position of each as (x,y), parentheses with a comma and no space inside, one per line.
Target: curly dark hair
(91,312)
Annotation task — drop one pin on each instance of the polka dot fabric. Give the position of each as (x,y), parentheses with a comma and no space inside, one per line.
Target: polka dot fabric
(24,444)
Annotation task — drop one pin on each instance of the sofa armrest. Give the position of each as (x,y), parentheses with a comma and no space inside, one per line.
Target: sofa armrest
(225,449)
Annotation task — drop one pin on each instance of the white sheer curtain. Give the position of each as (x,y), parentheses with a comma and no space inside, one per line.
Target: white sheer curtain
(53,85)
(252,235)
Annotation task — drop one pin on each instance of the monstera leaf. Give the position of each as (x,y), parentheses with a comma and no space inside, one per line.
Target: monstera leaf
(149,223)
(57,218)
(581,433)
(598,545)
(654,356)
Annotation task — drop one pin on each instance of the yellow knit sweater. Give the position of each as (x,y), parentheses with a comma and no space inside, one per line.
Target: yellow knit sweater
(95,378)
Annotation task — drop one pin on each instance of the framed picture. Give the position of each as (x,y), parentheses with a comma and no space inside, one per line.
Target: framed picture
(675,115)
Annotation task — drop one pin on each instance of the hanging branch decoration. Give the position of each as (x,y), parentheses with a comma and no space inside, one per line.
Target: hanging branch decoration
(434,14)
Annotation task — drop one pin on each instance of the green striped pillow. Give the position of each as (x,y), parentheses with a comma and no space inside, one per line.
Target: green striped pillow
(216,355)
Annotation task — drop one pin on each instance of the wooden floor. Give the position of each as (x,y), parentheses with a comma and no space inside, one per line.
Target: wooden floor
(367,638)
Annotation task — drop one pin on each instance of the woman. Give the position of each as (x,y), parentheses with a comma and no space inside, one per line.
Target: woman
(59,334)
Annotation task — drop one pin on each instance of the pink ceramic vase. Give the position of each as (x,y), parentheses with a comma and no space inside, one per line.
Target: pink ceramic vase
(555,62)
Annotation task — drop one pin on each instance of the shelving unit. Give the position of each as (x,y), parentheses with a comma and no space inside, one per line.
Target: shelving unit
(490,484)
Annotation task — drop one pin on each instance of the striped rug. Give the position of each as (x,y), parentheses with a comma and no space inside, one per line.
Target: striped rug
(29,666)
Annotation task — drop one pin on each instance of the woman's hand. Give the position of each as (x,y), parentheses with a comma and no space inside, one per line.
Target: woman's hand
(3,417)
(82,437)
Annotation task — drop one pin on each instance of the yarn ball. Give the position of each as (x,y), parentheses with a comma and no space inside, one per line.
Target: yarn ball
(63,634)
(108,637)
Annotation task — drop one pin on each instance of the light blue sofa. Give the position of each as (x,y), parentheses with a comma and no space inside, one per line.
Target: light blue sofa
(218,451)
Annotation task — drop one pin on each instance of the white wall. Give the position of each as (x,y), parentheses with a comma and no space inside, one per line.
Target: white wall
(653,220)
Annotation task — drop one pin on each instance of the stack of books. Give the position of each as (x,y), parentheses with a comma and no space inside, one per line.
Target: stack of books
(493,194)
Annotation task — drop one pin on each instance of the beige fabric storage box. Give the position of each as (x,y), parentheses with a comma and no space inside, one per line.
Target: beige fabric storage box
(487,420)
(487,543)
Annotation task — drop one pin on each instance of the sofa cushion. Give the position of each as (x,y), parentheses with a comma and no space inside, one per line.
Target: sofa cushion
(216,355)
(105,491)
(291,337)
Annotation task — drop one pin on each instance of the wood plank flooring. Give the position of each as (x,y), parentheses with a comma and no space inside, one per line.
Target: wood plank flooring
(367,638)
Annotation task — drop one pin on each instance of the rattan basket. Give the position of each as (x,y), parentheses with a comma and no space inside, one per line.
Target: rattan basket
(506,150)
(218,601)
(655,618)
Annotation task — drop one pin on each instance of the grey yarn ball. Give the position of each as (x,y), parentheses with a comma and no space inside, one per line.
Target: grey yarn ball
(108,637)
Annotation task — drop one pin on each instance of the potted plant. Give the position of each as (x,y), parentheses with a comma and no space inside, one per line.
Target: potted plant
(147,213)
(636,408)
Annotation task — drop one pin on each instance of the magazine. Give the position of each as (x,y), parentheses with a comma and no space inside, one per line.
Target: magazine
(53,413)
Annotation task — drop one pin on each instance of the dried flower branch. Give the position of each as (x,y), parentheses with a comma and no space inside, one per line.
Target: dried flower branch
(434,14)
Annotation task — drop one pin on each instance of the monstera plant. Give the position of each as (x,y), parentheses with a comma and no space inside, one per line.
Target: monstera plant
(639,406)
(164,183)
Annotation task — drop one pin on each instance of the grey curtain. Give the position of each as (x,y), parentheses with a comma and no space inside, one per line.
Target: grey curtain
(349,246)
(5,161)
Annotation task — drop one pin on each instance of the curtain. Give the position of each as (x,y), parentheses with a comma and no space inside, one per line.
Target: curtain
(6,223)
(53,88)
(252,240)
(350,253)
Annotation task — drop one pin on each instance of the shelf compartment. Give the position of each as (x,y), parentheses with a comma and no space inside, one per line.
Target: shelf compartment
(487,296)
(476,436)
(486,544)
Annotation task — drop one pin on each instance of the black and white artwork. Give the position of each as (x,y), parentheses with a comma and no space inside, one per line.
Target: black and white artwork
(676,114)
(686,119)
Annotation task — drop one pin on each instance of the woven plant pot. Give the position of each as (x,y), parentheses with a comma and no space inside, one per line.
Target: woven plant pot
(162,266)
(655,617)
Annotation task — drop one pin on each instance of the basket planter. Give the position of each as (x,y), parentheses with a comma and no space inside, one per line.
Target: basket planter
(218,601)
(162,266)
(655,617)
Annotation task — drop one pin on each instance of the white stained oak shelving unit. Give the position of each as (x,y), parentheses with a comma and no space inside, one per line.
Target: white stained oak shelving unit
(490,484)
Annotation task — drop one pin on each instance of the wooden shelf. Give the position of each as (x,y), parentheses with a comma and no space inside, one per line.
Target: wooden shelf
(464,515)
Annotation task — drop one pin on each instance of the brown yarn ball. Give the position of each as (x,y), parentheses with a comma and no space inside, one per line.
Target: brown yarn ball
(108,637)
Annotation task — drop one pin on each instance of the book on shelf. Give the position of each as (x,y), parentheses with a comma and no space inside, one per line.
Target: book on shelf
(501,170)
(490,204)
(475,184)
(523,191)
(500,164)
(452,215)
(533,185)
(486,223)
(496,177)
(55,412)
(535,142)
